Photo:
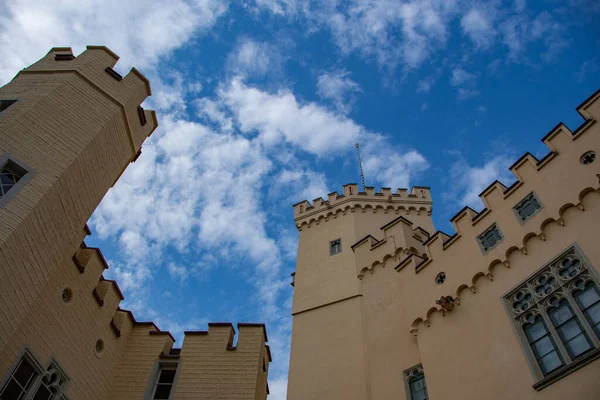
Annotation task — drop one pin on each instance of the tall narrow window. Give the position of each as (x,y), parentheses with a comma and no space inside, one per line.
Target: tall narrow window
(20,381)
(164,384)
(414,381)
(568,328)
(557,314)
(588,298)
(335,247)
(490,238)
(527,207)
(542,344)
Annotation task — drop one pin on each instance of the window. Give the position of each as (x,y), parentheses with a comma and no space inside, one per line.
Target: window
(164,383)
(13,176)
(490,238)
(29,381)
(527,207)
(20,381)
(556,313)
(335,247)
(10,174)
(4,104)
(52,384)
(588,158)
(414,381)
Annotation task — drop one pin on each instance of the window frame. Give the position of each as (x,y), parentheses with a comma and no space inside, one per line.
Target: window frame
(160,365)
(408,375)
(564,291)
(5,159)
(331,253)
(520,203)
(489,228)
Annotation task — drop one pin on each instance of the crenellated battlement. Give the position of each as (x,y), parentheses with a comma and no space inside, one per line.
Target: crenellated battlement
(95,65)
(561,181)
(418,200)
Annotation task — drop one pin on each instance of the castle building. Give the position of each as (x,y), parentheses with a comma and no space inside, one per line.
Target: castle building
(386,307)
(69,126)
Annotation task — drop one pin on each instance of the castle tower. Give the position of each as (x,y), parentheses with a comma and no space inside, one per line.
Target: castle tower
(334,335)
(69,126)
(68,129)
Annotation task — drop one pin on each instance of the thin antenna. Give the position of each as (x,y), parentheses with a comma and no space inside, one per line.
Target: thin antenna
(362,176)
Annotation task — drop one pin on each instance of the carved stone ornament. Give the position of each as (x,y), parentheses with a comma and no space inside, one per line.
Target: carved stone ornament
(446,302)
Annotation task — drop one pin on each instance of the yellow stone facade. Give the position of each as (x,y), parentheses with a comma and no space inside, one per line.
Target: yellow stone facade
(75,126)
(506,308)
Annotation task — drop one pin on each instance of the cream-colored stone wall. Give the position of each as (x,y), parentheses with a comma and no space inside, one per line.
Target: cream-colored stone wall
(472,351)
(212,368)
(76,127)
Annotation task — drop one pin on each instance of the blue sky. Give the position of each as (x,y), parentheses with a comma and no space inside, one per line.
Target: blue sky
(260,104)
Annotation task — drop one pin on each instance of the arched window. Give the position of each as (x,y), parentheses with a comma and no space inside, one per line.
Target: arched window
(557,311)
(414,380)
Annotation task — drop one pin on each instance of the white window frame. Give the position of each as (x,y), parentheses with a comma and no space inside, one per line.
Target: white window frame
(409,374)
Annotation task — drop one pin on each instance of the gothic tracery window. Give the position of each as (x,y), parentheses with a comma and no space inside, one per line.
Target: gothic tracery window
(490,238)
(414,380)
(528,207)
(557,313)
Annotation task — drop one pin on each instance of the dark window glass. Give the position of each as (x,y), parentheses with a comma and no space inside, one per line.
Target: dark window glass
(20,381)
(167,376)
(4,104)
(589,302)
(490,238)
(569,330)
(418,387)
(10,174)
(543,347)
(528,207)
(335,246)
(43,393)
(164,384)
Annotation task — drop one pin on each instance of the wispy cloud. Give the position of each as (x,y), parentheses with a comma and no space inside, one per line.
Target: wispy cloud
(139,31)
(339,88)
(465,83)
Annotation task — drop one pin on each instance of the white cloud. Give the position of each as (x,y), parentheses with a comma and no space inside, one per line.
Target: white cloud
(177,272)
(465,83)
(253,58)
(140,31)
(391,31)
(339,88)
(519,31)
(279,117)
(470,180)
(478,26)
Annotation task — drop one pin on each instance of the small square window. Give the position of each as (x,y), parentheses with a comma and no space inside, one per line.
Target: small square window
(527,207)
(490,238)
(10,174)
(335,247)
(4,104)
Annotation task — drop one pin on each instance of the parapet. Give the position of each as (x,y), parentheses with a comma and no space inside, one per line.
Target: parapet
(212,357)
(95,65)
(417,200)
(561,182)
